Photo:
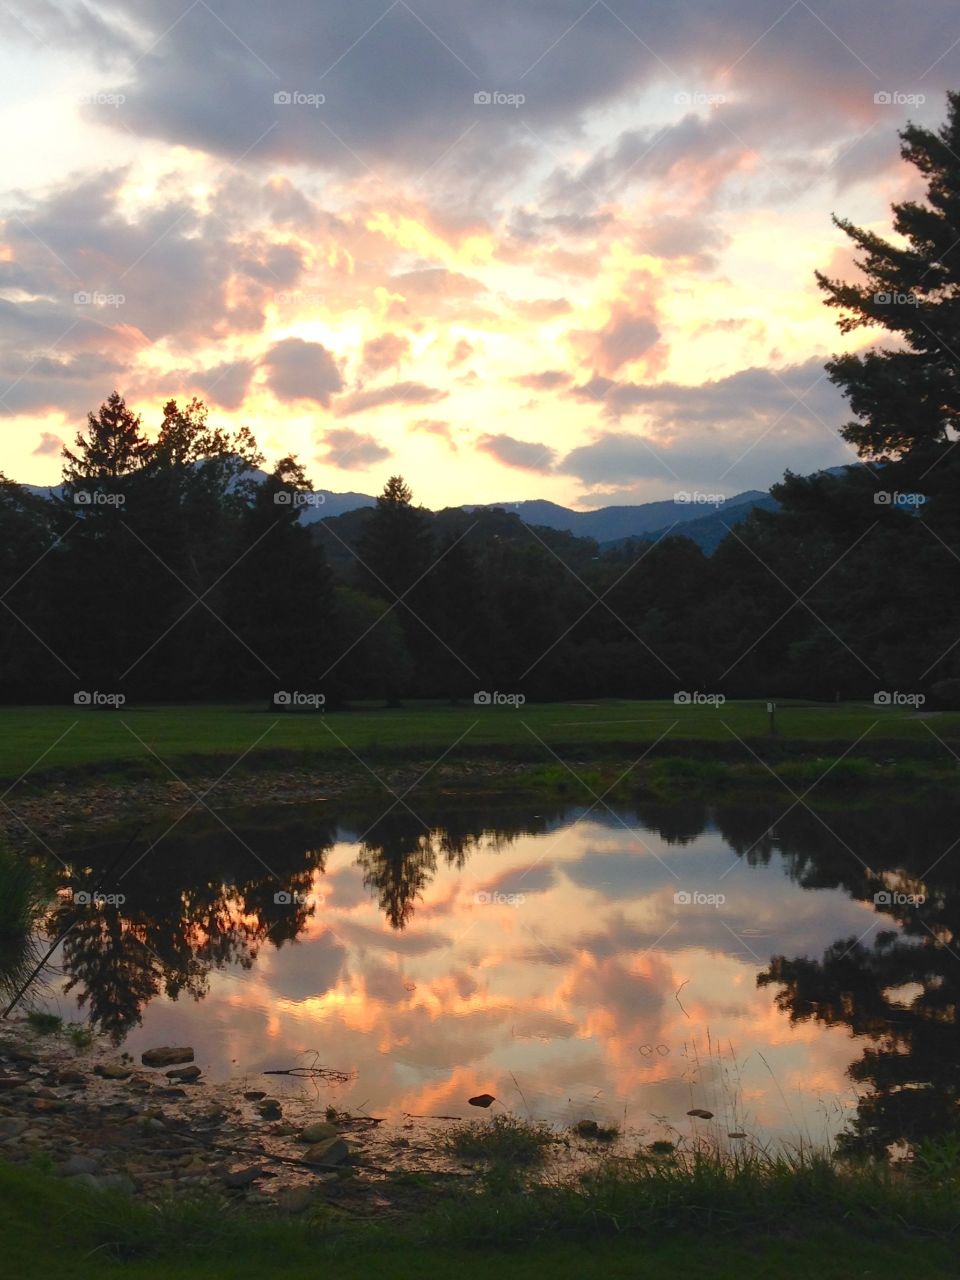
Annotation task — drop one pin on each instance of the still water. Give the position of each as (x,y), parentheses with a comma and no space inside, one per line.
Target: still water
(796,974)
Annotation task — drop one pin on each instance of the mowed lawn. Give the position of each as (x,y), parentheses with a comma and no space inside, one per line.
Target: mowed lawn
(39,739)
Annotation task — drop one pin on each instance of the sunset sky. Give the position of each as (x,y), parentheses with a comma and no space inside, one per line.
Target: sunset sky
(600,293)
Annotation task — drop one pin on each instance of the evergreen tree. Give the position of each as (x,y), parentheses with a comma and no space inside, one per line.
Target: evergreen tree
(907,396)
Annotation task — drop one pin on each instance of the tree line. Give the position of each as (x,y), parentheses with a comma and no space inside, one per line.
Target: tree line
(169,566)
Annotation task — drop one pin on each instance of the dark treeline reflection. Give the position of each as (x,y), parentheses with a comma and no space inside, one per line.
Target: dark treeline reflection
(205,897)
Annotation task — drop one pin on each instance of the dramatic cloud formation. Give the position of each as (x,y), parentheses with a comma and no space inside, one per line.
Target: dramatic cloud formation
(594,225)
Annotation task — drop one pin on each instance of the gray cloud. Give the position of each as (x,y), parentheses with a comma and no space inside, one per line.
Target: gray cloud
(395,393)
(351,450)
(299,370)
(526,455)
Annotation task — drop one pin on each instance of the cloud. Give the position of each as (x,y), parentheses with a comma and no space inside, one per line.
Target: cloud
(226,384)
(299,370)
(384,352)
(49,444)
(733,433)
(395,393)
(351,450)
(627,337)
(462,351)
(437,282)
(434,427)
(526,455)
(549,380)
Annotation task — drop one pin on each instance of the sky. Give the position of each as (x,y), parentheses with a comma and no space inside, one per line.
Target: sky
(512,249)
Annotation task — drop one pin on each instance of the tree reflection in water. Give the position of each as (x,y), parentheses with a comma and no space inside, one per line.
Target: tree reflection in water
(204,899)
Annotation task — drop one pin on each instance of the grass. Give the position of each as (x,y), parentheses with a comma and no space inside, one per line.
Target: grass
(503,1139)
(639,1219)
(45,740)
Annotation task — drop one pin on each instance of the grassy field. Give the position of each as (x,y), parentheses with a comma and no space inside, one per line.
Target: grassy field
(43,739)
(51,1229)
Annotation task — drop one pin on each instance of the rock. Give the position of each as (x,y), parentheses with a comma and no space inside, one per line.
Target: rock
(8,1083)
(586,1128)
(167,1056)
(11,1127)
(482,1100)
(254,1095)
(78,1164)
(296,1200)
(116,1182)
(327,1154)
(85,1180)
(112,1070)
(319,1131)
(270,1109)
(170,1091)
(239,1178)
(737,1135)
(71,1077)
(185,1074)
(700,1113)
(46,1104)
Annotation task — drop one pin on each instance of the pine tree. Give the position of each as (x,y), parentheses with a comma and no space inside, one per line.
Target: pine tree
(907,396)
(112,445)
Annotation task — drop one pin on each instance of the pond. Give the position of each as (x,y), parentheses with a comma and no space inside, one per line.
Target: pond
(794,973)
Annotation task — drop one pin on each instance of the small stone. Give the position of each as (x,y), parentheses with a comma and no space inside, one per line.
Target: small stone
(296,1200)
(186,1074)
(482,1100)
(71,1077)
(319,1131)
(254,1095)
(44,1105)
(738,1135)
(270,1109)
(116,1182)
(112,1070)
(327,1154)
(700,1113)
(8,1083)
(11,1127)
(78,1164)
(586,1128)
(239,1178)
(166,1056)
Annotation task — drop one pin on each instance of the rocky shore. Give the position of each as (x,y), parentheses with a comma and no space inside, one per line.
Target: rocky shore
(100,1119)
